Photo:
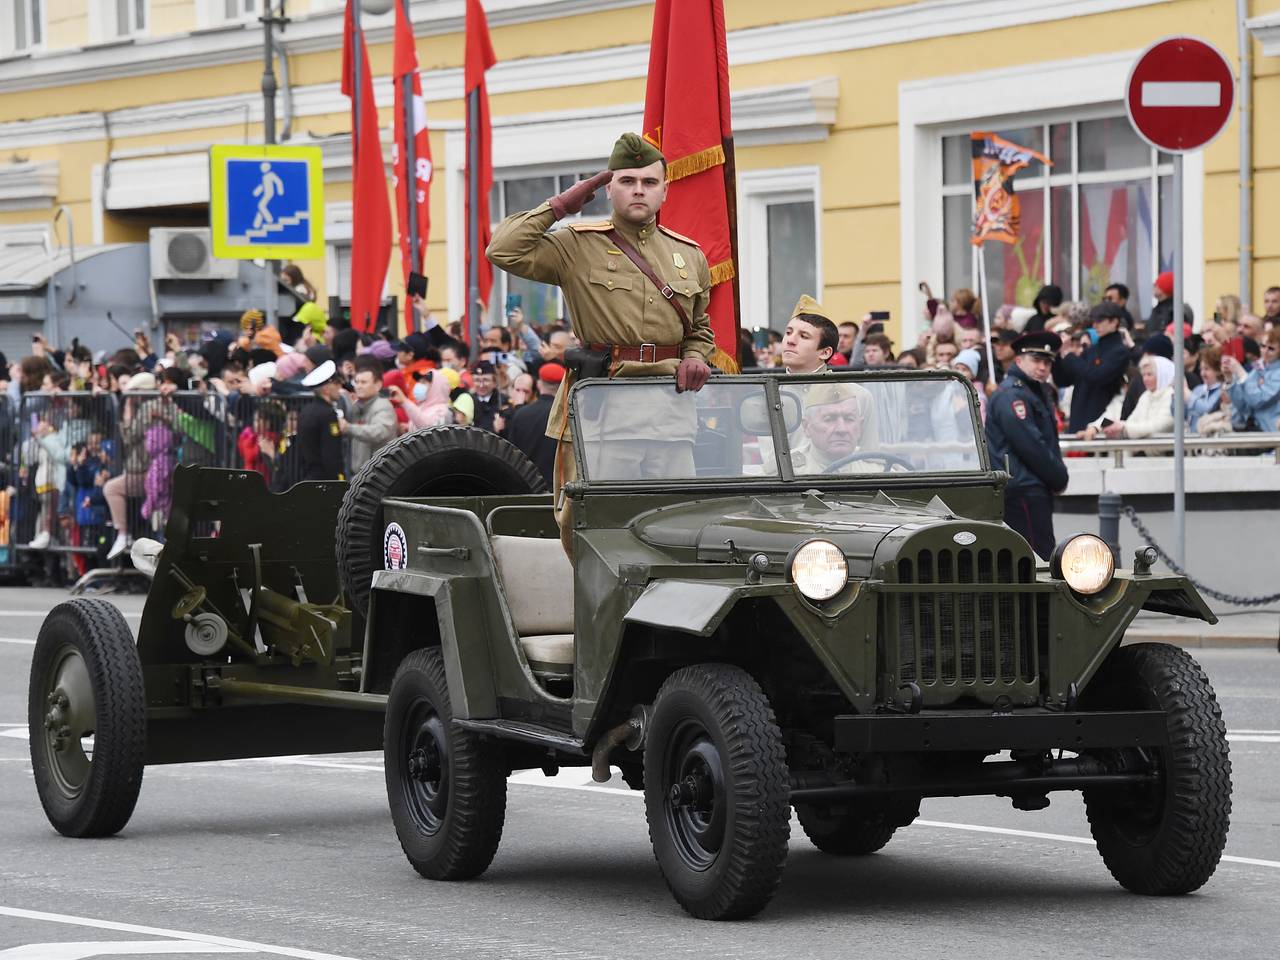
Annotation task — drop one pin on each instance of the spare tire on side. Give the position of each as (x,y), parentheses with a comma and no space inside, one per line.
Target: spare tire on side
(446,461)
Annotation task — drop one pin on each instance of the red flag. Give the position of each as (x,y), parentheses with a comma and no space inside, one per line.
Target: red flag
(371,213)
(413,190)
(686,116)
(479,58)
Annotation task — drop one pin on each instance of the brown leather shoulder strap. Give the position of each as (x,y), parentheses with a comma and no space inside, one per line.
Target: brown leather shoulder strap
(643,265)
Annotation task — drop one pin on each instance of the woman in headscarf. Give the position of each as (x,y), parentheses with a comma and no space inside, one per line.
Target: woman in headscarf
(1154,412)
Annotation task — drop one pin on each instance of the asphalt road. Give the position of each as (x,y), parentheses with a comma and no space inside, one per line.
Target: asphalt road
(297,857)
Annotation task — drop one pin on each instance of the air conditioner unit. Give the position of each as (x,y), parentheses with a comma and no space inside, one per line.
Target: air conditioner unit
(186,253)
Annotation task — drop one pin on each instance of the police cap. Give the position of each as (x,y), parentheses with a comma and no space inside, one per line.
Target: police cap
(1042,343)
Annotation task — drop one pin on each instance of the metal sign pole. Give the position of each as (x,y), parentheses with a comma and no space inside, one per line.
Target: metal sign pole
(473,224)
(1179,415)
(268,136)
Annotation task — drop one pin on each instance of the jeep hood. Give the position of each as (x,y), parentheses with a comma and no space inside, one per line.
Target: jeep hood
(775,525)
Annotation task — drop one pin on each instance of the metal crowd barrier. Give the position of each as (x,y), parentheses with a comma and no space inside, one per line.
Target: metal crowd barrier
(79,467)
(1162,445)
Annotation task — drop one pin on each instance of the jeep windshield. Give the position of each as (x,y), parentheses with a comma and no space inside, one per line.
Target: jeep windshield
(784,427)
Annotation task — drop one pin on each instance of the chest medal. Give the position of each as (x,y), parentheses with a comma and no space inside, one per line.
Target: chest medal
(678,259)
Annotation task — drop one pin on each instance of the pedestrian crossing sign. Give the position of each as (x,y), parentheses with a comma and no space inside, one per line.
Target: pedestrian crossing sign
(266,202)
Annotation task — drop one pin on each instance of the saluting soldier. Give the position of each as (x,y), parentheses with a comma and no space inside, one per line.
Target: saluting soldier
(1021,426)
(319,435)
(637,292)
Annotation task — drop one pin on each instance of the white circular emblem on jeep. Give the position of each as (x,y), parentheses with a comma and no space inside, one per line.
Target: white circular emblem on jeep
(964,538)
(395,548)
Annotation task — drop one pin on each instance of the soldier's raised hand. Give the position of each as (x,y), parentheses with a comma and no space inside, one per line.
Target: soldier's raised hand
(579,195)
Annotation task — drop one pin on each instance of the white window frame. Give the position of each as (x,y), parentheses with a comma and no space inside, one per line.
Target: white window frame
(929,108)
(757,191)
(9,39)
(337,233)
(1048,178)
(109,26)
(213,13)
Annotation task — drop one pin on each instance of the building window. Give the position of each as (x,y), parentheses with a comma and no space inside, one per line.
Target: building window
(129,17)
(1098,216)
(339,272)
(238,9)
(778,243)
(542,303)
(27,20)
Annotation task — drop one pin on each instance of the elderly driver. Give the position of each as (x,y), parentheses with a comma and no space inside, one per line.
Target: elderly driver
(837,423)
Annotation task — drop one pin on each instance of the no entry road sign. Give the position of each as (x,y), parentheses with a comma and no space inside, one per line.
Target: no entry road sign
(1180,94)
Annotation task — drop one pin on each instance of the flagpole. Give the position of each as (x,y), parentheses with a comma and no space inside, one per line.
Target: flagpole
(410,155)
(986,311)
(357,48)
(473,222)
(731,204)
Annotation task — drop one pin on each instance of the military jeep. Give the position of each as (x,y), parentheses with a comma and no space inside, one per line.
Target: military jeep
(786,593)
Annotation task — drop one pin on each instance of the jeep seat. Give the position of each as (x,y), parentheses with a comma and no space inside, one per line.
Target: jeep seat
(537,581)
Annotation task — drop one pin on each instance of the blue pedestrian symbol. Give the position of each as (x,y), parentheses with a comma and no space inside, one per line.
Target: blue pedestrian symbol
(268,202)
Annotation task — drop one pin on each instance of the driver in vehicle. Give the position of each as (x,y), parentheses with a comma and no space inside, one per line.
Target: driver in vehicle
(839,422)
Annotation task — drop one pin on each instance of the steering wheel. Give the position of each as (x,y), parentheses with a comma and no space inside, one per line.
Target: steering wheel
(889,460)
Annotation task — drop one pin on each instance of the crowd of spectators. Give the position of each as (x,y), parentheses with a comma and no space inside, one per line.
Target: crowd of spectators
(1114,375)
(91,442)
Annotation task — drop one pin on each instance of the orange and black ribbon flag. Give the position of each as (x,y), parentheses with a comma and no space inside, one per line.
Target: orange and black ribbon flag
(997,213)
(686,116)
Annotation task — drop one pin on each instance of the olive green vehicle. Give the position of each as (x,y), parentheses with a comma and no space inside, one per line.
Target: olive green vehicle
(787,593)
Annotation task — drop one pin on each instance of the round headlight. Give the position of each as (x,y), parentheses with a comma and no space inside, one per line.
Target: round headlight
(1085,562)
(819,570)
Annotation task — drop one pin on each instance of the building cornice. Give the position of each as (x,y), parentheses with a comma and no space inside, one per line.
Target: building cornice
(1267,29)
(323,31)
(28,186)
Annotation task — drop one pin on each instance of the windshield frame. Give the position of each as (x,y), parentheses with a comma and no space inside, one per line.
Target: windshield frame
(786,477)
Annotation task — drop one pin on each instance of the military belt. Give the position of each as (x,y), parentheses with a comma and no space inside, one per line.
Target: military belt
(644,353)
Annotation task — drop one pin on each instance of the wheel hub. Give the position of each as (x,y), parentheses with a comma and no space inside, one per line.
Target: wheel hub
(424,764)
(55,720)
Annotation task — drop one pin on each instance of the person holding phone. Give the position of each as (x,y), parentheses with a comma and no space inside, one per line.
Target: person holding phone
(1255,395)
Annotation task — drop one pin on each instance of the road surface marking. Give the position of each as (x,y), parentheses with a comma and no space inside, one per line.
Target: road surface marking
(1062,838)
(202,938)
(1253,738)
(17,733)
(1170,93)
(25,643)
(112,948)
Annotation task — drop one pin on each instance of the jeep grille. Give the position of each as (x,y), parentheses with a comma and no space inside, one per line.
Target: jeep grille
(965,637)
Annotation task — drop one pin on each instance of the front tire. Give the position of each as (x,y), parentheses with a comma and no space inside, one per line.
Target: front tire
(87,720)
(447,787)
(716,792)
(1165,838)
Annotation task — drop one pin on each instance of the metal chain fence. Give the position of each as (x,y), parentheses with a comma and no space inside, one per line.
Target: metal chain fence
(1233,599)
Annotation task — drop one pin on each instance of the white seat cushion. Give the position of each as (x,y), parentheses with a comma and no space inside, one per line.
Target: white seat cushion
(549,648)
(537,580)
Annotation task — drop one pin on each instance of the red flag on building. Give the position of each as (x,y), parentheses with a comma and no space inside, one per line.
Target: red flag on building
(686,116)
(479,58)
(997,211)
(370,211)
(413,191)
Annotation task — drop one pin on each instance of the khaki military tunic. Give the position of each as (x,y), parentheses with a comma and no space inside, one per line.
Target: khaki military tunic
(609,299)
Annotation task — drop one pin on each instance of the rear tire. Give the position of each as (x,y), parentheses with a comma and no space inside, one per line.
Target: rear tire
(843,835)
(716,792)
(1166,838)
(447,787)
(86,682)
(437,462)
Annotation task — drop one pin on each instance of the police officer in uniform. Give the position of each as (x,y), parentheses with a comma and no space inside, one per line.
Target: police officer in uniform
(1021,426)
(319,435)
(640,327)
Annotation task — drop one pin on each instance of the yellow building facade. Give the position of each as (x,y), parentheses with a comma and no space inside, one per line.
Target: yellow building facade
(851,122)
